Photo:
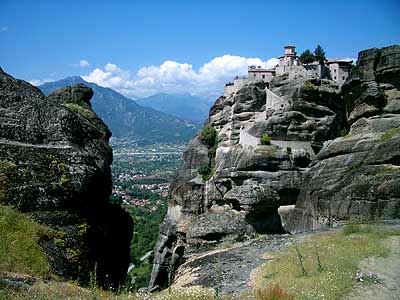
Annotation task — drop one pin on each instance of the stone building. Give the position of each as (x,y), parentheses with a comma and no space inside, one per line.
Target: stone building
(339,69)
(258,73)
(289,62)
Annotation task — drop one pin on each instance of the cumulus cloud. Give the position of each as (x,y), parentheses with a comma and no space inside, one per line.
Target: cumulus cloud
(175,77)
(83,63)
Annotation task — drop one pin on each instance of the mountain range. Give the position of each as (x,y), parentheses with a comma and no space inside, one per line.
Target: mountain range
(126,119)
(183,106)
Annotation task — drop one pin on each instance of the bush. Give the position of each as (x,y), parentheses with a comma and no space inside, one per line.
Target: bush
(273,292)
(206,172)
(209,136)
(266,139)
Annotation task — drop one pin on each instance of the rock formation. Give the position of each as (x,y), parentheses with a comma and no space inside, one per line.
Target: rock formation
(246,184)
(55,164)
(358,175)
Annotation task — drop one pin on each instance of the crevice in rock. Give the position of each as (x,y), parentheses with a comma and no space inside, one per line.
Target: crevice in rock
(234,203)
(213,236)
(288,196)
(266,222)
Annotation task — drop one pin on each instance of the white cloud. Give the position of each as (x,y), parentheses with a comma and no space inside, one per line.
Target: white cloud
(4,28)
(175,77)
(37,82)
(83,63)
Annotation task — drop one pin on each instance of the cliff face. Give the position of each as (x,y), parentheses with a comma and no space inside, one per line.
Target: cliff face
(249,182)
(358,175)
(55,163)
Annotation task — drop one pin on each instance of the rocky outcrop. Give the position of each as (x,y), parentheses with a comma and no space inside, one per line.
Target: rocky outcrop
(358,175)
(55,164)
(245,185)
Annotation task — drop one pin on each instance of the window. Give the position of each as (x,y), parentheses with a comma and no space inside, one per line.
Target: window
(343,78)
(334,77)
(255,75)
(334,70)
(263,76)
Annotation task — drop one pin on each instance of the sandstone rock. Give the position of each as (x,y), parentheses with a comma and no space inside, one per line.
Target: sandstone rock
(55,163)
(211,228)
(251,181)
(358,176)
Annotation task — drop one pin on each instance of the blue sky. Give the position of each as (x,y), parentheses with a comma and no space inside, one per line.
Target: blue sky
(143,47)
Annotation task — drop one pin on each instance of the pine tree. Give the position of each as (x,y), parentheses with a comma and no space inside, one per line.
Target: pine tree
(319,54)
(307,57)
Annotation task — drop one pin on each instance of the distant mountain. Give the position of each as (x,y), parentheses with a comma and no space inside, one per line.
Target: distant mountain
(127,119)
(181,106)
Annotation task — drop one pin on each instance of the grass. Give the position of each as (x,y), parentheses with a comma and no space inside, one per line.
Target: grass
(80,110)
(19,248)
(63,290)
(330,260)
(274,292)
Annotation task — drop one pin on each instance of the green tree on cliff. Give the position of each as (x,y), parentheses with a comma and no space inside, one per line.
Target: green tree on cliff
(319,53)
(307,57)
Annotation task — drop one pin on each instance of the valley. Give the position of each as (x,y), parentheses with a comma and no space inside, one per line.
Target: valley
(141,177)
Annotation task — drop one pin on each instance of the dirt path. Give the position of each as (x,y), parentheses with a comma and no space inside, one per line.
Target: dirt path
(388,271)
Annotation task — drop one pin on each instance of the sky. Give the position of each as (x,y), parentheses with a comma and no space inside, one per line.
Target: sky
(140,48)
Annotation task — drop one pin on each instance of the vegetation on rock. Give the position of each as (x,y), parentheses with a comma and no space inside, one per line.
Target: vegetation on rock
(265,139)
(20,250)
(209,137)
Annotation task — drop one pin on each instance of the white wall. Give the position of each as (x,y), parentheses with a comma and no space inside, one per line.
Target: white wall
(247,139)
(274,101)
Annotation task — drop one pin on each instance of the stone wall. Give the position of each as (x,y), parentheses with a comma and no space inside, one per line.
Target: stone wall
(238,83)
(247,139)
(273,101)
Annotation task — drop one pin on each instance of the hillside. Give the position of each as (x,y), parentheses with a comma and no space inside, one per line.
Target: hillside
(127,119)
(182,106)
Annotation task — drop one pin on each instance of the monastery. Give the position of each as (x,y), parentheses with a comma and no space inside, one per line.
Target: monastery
(334,69)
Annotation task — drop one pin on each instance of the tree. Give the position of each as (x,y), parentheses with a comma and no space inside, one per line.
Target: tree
(319,53)
(307,57)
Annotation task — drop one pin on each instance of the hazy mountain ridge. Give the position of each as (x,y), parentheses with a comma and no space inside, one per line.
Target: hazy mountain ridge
(183,106)
(127,119)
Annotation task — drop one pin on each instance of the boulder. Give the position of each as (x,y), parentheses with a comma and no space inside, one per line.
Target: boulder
(55,164)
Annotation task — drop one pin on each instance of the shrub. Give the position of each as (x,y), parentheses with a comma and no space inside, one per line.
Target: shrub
(209,136)
(206,172)
(273,292)
(343,132)
(266,139)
